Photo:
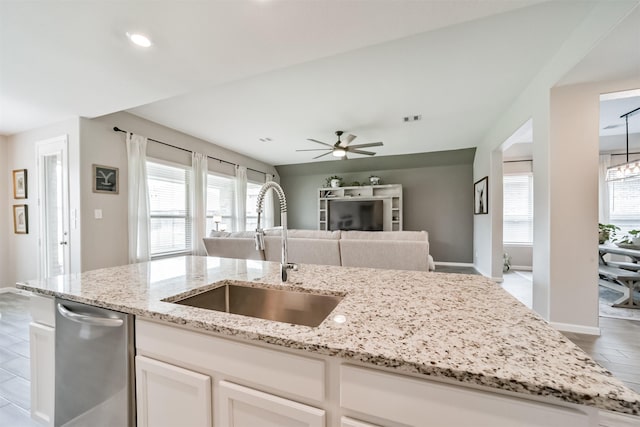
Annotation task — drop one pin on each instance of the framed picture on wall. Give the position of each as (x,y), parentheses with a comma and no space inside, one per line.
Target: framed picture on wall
(20,184)
(21,219)
(481,196)
(105,179)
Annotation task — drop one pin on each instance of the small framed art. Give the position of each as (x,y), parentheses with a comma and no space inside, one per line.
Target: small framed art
(105,179)
(20,184)
(481,196)
(21,219)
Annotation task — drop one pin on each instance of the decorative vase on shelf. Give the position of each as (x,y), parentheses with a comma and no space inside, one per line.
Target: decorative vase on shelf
(374,180)
(335,183)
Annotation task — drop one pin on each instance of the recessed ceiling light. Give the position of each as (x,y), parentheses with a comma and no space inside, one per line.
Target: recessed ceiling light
(139,39)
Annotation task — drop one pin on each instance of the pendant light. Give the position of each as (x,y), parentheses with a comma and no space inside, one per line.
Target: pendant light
(628,170)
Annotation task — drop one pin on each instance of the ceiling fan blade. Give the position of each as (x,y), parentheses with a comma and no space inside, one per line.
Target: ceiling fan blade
(368,153)
(370,144)
(317,149)
(348,140)
(612,126)
(321,155)
(319,142)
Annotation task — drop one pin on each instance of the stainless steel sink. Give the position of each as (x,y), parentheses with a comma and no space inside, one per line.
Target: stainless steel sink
(300,308)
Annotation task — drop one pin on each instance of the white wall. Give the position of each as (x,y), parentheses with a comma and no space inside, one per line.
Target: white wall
(6,215)
(104,241)
(534,103)
(21,154)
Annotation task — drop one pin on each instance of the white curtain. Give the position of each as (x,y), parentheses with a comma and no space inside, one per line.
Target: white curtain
(241,198)
(603,189)
(269,220)
(199,171)
(138,222)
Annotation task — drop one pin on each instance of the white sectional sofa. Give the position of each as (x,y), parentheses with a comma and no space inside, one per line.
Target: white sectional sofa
(400,250)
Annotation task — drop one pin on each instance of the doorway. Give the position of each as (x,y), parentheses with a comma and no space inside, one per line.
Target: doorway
(53,205)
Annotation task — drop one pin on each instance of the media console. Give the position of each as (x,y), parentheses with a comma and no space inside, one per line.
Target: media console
(389,194)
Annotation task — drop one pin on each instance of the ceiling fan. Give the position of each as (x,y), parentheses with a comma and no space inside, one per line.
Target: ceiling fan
(342,147)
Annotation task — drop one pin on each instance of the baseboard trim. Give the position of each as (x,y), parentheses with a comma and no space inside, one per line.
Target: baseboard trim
(454,264)
(522,267)
(578,329)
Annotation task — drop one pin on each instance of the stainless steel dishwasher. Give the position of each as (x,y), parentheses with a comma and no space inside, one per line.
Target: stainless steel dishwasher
(94,366)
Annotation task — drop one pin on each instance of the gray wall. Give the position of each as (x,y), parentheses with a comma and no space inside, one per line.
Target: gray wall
(104,241)
(437,194)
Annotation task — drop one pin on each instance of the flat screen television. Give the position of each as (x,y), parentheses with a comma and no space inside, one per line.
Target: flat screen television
(365,215)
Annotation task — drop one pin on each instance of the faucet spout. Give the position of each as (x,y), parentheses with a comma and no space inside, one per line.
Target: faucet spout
(285,265)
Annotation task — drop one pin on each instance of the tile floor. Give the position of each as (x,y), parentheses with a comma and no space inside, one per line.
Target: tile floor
(15,378)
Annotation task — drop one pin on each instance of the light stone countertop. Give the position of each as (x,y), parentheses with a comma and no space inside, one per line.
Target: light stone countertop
(455,326)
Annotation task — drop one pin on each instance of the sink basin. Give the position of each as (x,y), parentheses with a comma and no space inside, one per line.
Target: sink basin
(300,308)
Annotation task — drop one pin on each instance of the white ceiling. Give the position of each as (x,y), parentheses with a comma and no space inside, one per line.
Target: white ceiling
(232,72)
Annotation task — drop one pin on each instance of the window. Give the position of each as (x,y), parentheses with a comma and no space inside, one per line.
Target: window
(624,205)
(170,219)
(252,197)
(220,202)
(518,209)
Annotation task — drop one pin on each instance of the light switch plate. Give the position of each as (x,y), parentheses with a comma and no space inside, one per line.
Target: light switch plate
(97,213)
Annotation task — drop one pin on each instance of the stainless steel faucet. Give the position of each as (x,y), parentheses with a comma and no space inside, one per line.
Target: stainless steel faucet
(270,185)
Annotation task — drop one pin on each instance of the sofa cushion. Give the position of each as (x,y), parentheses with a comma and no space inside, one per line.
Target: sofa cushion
(303,251)
(386,235)
(304,234)
(232,247)
(389,254)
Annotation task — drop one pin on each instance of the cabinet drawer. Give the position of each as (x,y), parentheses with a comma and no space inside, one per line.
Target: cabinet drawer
(269,369)
(42,310)
(245,407)
(413,401)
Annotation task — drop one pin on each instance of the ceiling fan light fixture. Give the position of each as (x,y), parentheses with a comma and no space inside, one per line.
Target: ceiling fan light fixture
(339,152)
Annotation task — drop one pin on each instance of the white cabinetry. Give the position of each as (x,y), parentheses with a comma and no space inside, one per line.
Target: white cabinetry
(245,407)
(188,378)
(42,352)
(228,383)
(390,194)
(171,396)
(412,401)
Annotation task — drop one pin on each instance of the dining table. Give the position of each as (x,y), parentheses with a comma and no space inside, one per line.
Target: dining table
(624,273)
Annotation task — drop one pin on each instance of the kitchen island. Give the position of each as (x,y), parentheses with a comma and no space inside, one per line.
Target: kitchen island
(399,330)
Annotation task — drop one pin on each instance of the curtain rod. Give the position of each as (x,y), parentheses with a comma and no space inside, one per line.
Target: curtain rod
(117,129)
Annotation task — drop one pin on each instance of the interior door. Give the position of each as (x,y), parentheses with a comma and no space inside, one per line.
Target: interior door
(53,204)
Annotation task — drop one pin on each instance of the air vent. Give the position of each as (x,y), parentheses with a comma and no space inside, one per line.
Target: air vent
(414,118)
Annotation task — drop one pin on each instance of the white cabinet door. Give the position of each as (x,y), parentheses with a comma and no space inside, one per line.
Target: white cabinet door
(245,407)
(350,422)
(171,396)
(42,350)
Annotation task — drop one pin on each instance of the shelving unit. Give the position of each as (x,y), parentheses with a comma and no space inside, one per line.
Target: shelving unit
(391,195)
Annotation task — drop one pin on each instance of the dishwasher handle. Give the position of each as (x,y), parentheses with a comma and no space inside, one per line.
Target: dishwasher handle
(89,320)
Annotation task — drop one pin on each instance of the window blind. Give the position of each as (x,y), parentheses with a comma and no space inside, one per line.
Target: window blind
(220,201)
(624,205)
(170,219)
(518,209)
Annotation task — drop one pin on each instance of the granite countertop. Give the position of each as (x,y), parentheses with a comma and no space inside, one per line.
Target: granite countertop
(455,326)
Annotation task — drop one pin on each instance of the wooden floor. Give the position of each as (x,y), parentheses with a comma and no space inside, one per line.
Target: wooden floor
(617,348)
